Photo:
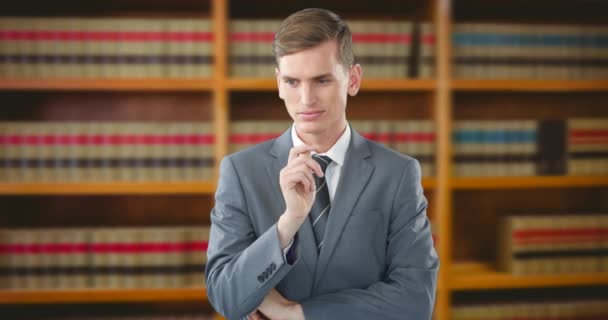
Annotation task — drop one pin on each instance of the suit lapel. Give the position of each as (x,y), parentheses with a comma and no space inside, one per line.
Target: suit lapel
(280,151)
(353,178)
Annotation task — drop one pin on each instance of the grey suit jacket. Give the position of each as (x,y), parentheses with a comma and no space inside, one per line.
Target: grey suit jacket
(377,261)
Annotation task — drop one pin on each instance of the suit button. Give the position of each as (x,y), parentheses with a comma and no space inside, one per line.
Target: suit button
(273,266)
(265,274)
(268,270)
(261,279)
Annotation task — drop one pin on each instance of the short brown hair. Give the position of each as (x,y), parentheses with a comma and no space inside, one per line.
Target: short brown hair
(309,28)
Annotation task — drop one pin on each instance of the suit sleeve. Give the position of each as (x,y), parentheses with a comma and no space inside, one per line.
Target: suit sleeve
(408,288)
(241,267)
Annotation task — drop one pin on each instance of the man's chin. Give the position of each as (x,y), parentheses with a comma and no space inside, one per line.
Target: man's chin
(309,127)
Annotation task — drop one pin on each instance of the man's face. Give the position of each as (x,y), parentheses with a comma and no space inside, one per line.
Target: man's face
(314,85)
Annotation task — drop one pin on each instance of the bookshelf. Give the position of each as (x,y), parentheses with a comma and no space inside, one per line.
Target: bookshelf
(529,182)
(530,85)
(154,85)
(102,296)
(465,264)
(116,188)
(479,276)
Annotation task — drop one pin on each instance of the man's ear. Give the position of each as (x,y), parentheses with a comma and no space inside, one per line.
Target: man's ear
(278,75)
(354,79)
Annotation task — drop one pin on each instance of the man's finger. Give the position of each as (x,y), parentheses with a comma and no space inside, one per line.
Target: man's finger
(295,177)
(312,165)
(295,151)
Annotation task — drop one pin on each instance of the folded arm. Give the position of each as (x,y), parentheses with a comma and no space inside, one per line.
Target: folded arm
(241,267)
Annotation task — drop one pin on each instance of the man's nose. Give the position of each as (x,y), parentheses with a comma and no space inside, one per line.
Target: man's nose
(307,95)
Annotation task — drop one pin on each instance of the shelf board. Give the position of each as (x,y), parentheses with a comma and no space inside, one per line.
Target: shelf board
(529,85)
(479,276)
(529,182)
(367,84)
(99,188)
(429,183)
(102,295)
(157,84)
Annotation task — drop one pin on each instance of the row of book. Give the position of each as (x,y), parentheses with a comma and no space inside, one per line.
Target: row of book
(152,48)
(481,147)
(64,47)
(496,148)
(77,258)
(531,147)
(587,146)
(106,151)
(184,151)
(553,244)
(383,48)
(529,51)
(520,310)
(412,137)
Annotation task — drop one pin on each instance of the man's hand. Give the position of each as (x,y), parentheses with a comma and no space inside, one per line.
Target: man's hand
(298,188)
(297,182)
(276,307)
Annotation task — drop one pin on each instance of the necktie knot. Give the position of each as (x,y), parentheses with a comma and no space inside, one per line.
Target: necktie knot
(323,161)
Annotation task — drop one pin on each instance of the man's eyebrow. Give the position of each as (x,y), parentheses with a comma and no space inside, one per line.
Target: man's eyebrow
(288,78)
(325,75)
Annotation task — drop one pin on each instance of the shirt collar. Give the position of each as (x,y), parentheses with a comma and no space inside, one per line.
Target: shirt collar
(337,152)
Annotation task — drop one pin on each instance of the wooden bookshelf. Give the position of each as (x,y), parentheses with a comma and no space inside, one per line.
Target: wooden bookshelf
(110,85)
(530,85)
(442,99)
(99,188)
(529,182)
(429,183)
(479,276)
(123,188)
(102,296)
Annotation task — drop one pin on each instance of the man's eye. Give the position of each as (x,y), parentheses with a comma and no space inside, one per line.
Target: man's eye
(291,82)
(323,81)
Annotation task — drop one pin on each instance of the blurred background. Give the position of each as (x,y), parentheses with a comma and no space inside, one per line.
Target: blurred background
(116,115)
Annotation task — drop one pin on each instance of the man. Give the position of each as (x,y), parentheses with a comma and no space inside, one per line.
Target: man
(320,223)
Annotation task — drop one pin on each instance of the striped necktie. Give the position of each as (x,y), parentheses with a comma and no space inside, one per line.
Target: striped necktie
(321,206)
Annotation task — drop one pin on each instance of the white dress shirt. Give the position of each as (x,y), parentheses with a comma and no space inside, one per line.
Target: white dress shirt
(337,153)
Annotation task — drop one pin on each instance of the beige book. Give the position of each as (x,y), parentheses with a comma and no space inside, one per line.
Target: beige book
(426,61)
(6,258)
(196,173)
(100,260)
(241,49)
(264,49)
(603,223)
(406,49)
(47,260)
(122,279)
(196,234)
(27,260)
(72,259)
(15,261)
(234,128)
(8,152)
(204,70)
(208,151)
